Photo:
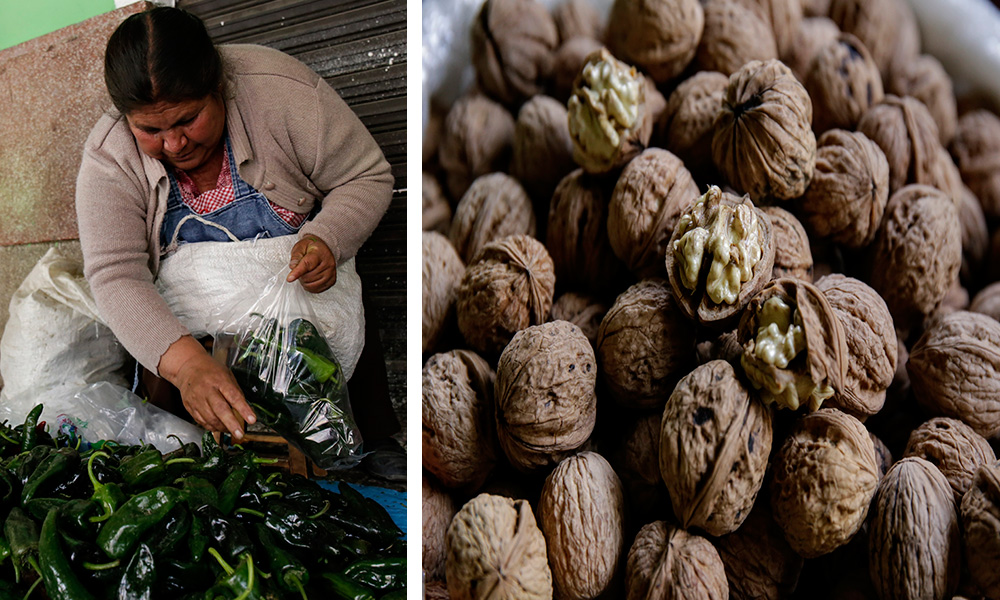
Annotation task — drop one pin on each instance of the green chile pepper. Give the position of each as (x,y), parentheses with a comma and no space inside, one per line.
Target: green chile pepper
(396,595)
(50,468)
(147,468)
(22,533)
(139,576)
(122,531)
(291,574)
(38,508)
(345,589)
(61,583)
(164,537)
(197,492)
(109,495)
(224,533)
(380,574)
(29,435)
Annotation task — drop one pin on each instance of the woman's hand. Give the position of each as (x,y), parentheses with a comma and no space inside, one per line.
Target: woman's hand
(314,264)
(208,389)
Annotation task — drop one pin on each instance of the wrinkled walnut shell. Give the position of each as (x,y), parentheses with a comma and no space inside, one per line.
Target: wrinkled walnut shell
(792,254)
(975,237)
(907,135)
(577,18)
(441,274)
(734,35)
(437,511)
(687,123)
(813,33)
(436,211)
(478,136)
(782,16)
(494,207)
(980,517)
(926,80)
(567,62)
(874,22)
(987,301)
(843,82)
(543,150)
(659,37)
(638,465)
(976,148)
(954,448)
(583,311)
(759,562)
(667,563)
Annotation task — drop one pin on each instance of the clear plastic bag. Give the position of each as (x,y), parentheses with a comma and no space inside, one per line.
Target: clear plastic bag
(289,375)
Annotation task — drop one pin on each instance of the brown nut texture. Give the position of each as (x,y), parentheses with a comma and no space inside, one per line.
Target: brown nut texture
(644,345)
(954,448)
(652,192)
(582,513)
(734,35)
(874,22)
(926,80)
(843,82)
(436,590)
(567,63)
(725,346)
(686,125)
(794,346)
(955,370)
(478,137)
(720,254)
(638,465)
(546,403)
(759,562)
(578,18)
(987,301)
(512,46)
(907,135)
(494,207)
(715,438)
(980,517)
(509,286)
(437,511)
(976,148)
(914,502)
(436,211)
(975,236)
(813,33)
(659,37)
(792,254)
(583,311)
(824,477)
(883,457)
(497,552)
(763,141)
(543,150)
(459,439)
(441,273)
(871,343)
(666,563)
(917,253)
(783,17)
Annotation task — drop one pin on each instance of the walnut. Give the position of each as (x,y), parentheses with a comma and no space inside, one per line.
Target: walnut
(871,343)
(478,136)
(582,512)
(783,17)
(874,22)
(955,370)
(917,253)
(976,148)
(659,37)
(815,8)
(644,345)
(720,254)
(734,35)
(794,345)
(436,210)
(459,441)
(987,301)
(849,190)
(494,207)
(437,512)
(980,518)
(577,18)
(715,438)
(907,50)
(441,273)
(954,448)
(813,33)
(583,311)
(436,590)
(926,80)
(906,133)
(577,235)
(567,63)
(543,150)
(843,82)
(824,476)
(975,236)
(656,103)
(759,562)
(497,552)
(763,141)
(652,192)
(608,118)
(433,132)
(667,563)
(687,123)
(792,255)
(725,346)
(883,457)
(638,465)
(512,46)
(508,287)
(914,502)
(545,397)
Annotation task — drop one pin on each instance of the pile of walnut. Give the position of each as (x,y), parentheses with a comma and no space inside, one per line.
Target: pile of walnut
(710,309)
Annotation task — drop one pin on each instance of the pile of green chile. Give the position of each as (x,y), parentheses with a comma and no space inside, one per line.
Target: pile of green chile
(130,522)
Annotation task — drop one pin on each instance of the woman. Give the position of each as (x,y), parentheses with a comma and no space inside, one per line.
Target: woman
(214,143)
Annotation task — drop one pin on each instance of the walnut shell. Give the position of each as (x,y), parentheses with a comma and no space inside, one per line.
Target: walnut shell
(478,137)
(980,517)
(725,346)
(644,345)
(543,150)
(871,343)
(813,33)
(512,46)
(577,234)
(459,440)
(975,236)
(496,552)
(907,135)
(914,502)
(763,142)
(759,562)
(792,254)
(987,301)
(976,148)
(917,253)
(567,63)
(659,37)
(687,123)
(824,477)
(494,207)
(666,563)
(437,511)
(441,274)
(582,511)
(926,80)
(652,192)
(734,35)
(783,17)
(954,448)
(509,286)
(843,82)
(436,212)
(436,590)
(638,465)
(955,370)
(577,18)
(714,442)
(874,22)
(545,394)
(583,311)
(883,457)
(849,189)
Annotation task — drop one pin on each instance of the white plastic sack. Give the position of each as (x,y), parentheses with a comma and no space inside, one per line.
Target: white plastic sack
(203,281)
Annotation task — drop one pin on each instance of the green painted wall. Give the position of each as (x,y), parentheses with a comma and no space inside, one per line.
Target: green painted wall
(22,20)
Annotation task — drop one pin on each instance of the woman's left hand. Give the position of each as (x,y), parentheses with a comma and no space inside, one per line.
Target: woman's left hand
(314,264)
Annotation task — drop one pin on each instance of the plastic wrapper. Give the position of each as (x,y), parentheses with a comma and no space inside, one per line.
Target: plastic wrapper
(289,375)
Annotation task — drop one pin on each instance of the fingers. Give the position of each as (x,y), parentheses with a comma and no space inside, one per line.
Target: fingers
(230,419)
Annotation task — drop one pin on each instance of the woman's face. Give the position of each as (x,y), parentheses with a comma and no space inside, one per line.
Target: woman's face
(183,134)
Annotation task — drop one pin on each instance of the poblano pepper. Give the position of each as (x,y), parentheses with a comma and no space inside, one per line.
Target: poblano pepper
(122,531)
(109,495)
(379,574)
(61,583)
(224,533)
(139,576)
(29,435)
(51,467)
(345,589)
(289,571)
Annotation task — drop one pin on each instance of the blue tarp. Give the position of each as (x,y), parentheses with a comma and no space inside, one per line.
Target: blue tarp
(393,501)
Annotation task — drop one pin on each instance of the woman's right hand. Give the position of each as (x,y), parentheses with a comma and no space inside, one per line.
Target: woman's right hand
(208,389)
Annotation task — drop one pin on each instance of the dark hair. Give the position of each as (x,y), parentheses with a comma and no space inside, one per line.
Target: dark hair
(161,55)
